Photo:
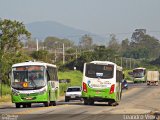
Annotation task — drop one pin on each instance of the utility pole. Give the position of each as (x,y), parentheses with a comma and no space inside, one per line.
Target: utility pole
(63,55)
(121,62)
(126,62)
(1,78)
(115,59)
(76,54)
(55,59)
(130,63)
(37,43)
(1,33)
(134,63)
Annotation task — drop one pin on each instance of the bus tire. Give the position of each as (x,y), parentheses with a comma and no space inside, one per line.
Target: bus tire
(17,105)
(24,105)
(66,100)
(112,103)
(46,104)
(28,105)
(53,103)
(91,102)
(85,101)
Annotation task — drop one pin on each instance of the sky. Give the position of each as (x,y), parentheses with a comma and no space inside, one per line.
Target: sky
(102,17)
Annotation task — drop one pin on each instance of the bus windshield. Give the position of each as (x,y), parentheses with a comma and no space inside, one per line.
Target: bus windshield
(99,71)
(28,77)
(138,73)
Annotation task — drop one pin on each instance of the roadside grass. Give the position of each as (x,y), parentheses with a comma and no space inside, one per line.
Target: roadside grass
(75,79)
(6,91)
(127,76)
(5,98)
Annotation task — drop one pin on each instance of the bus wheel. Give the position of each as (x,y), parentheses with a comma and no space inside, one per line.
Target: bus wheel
(112,103)
(52,103)
(24,105)
(46,104)
(17,105)
(115,104)
(66,100)
(29,105)
(85,101)
(91,102)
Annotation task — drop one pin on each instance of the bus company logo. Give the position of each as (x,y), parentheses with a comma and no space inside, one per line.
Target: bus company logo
(96,84)
(89,82)
(98,80)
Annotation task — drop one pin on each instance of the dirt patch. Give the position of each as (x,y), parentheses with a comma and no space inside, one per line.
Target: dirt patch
(6,98)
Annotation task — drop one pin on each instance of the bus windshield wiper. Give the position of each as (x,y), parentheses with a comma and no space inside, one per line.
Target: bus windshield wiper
(33,83)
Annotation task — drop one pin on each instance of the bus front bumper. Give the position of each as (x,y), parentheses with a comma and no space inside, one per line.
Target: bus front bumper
(29,98)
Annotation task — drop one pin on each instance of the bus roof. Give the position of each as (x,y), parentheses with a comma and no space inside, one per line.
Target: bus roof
(33,63)
(105,63)
(139,68)
(102,62)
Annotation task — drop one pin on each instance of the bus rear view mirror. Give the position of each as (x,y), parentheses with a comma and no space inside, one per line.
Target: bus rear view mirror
(123,76)
(9,74)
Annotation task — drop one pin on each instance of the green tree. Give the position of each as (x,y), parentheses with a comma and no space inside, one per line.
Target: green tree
(125,45)
(113,43)
(54,42)
(12,35)
(142,46)
(86,42)
(138,35)
(42,55)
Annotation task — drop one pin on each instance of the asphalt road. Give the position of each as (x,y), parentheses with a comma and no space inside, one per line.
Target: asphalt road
(139,101)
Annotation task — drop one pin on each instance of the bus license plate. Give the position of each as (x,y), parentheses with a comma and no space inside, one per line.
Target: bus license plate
(97,92)
(72,96)
(28,98)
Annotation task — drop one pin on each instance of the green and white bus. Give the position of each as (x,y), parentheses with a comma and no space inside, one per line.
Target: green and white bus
(34,82)
(102,82)
(139,75)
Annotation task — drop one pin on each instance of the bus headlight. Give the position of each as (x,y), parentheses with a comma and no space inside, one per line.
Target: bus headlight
(43,91)
(15,92)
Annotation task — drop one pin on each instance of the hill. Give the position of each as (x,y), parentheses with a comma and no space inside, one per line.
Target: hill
(41,30)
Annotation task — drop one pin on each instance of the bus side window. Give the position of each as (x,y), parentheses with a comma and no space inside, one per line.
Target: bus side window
(52,73)
(48,76)
(119,76)
(55,76)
